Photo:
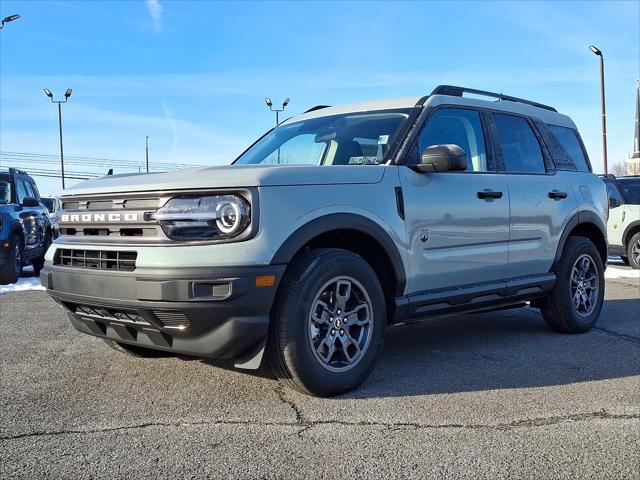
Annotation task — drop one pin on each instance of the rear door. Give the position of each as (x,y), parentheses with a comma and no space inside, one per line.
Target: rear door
(541,199)
(457,222)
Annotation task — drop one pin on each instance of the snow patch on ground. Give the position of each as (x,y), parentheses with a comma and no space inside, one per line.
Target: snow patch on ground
(613,272)
(25,283)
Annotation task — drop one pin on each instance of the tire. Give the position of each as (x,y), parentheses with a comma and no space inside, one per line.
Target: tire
(633,252)
(311,356)
(38,263)
(624,259)
(10,271)
(135,350)
(579,277)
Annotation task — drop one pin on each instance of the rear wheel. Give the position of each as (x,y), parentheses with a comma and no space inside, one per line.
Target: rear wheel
(633,251)
(10,271)
(576,301)
(328,323)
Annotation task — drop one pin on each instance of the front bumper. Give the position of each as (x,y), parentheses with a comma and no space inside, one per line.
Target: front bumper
(204,312)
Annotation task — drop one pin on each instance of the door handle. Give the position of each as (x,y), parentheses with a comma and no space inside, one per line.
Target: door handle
(485,194)
(557,194)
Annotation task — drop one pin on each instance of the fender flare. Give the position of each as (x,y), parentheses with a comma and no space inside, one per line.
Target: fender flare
(574,221)
(343,221)
(626,236)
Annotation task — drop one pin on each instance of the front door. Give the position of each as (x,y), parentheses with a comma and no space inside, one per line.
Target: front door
(457,222)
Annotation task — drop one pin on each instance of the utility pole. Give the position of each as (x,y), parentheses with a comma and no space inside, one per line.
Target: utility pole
(146,151)
(598,52)
(67,94)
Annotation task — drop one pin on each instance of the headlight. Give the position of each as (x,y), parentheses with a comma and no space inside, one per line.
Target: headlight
(204,218)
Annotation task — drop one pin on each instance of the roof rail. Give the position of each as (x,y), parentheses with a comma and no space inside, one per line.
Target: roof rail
(13,170)
(459,91)
(317,107)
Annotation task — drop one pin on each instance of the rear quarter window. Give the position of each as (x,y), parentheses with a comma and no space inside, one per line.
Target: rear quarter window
(631,187)
(568,138)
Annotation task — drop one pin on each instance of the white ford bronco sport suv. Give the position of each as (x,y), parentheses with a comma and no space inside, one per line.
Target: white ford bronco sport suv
(334,225)
(623,227)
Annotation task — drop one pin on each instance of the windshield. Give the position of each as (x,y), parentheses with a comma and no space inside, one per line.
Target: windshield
(348,139)
(50,203)
(5,192)
(631,187)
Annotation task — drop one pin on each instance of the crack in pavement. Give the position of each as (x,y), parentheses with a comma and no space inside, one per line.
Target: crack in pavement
(623,336)
(600,330)
(308,424)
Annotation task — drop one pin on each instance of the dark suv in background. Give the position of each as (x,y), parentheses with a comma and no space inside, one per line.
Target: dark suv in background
(25,227)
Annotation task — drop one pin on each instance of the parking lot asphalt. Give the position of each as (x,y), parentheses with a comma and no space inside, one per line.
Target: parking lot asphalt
(488,395)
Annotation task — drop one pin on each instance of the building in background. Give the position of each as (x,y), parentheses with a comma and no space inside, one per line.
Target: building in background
(633,162)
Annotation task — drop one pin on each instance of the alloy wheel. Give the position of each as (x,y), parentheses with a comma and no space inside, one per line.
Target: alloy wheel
(18,262)
(584,285)
(340,324)
(635,252)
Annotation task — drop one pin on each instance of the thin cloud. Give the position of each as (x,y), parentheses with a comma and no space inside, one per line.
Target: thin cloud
(155,10)
(172,122)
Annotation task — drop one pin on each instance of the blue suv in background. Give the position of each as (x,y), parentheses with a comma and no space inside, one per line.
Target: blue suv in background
(25,227)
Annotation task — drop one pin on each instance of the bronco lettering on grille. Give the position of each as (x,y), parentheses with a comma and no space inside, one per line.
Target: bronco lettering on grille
(98,217)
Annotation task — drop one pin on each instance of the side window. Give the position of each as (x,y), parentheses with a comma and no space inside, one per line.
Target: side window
(21,190)
(521,151)
(568,138)
(459,127)
(34,190)
(613,192)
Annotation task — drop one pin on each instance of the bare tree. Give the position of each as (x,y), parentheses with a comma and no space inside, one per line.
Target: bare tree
(619,169)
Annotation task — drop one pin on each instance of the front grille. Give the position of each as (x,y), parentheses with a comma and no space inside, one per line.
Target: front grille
(123,219)
(96,259)
(107,313)
(113,232)
(172,319)
(149,203)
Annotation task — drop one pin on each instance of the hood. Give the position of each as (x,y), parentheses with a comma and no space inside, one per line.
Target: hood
(231,176)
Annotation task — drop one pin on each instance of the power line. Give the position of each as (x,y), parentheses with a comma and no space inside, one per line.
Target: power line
(93,160)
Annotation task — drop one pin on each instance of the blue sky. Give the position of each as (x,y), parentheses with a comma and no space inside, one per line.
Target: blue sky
(193,75)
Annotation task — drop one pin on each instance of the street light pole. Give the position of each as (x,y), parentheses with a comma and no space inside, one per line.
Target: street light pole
(277,110)
(8,19)
(61,148)
(67,94)
(598,52)
(146,151)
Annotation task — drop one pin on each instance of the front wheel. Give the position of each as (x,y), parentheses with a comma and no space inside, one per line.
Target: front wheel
(576,301)
(328,323)
(633,251)
(38,263)
(10,271)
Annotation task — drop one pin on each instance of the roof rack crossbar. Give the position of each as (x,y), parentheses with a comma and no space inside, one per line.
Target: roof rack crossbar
(459,91)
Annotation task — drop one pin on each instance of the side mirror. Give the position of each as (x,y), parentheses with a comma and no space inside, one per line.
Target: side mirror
(443,158)
(30,202)
(614,202)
